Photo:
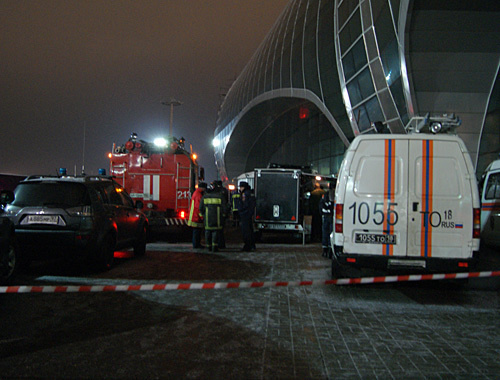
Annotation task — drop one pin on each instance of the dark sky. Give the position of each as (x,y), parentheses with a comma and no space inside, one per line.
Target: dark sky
(105,67)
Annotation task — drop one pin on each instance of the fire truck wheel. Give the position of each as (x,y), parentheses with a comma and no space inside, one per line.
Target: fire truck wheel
(140,245)
(106,251)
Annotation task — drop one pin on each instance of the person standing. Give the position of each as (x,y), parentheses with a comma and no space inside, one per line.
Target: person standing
(246,210)
(214,209)
(195,220)
(314,200)
(326,211)
(219,187)
(235,199)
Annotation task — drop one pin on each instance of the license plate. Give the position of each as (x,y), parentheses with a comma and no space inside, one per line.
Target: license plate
(374,239)
(43,219)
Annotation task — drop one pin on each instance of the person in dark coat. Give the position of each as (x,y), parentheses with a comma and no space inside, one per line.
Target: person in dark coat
(246,210)
(213,209)
(314,200)
(326,211)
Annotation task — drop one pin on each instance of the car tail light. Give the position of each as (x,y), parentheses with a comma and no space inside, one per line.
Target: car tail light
(80,211)
(476,232)
(339,218)
(182,214)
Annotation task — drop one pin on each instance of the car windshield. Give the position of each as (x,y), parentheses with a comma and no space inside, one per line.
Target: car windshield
(51,194)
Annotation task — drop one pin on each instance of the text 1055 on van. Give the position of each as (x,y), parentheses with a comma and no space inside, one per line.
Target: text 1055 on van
(361,213)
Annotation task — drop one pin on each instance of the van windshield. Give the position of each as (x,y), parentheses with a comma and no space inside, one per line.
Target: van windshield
(51,194)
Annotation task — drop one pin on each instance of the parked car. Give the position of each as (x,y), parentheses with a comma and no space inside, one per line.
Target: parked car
(81,217)
(489,188)
(9,254)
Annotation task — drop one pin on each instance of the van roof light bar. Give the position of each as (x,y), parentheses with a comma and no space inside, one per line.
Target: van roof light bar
(447,123)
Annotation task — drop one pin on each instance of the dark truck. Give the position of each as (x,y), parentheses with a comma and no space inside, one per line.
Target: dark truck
(282,199)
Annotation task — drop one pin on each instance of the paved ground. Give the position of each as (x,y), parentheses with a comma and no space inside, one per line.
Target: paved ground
(428,330)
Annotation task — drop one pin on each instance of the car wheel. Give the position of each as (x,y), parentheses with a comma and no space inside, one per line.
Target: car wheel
(106,252)
(140,244)
(9,262)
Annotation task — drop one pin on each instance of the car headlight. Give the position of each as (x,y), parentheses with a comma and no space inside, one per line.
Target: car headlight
(11,210)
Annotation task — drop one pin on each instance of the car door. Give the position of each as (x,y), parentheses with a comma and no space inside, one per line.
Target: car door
(131,217)
(117,212)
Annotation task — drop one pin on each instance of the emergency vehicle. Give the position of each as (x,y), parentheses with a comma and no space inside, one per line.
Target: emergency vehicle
(162,175)
(490,205)
(406,201)
(283,198)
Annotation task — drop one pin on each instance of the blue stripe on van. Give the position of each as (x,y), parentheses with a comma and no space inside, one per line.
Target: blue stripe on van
(427,177)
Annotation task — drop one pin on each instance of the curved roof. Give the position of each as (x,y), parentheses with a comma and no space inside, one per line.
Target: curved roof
(357,62)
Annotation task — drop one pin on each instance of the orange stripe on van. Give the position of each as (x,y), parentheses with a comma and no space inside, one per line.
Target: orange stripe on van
(427,183)
(389,186)
(491,206)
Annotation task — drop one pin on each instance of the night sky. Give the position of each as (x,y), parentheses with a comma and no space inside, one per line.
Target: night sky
(103,68)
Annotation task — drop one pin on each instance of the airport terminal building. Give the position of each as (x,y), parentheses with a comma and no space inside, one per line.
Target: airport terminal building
(328,69)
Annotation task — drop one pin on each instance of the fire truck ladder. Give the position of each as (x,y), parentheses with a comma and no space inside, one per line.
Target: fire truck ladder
(181,184)
(117,176)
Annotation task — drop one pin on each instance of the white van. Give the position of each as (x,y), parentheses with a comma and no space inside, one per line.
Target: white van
(406,201)
(490,205)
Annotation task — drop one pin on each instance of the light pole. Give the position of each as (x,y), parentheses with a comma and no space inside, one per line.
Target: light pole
(172,102)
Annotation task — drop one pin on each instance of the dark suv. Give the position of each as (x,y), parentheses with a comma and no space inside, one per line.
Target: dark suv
(9,259)
(78,217)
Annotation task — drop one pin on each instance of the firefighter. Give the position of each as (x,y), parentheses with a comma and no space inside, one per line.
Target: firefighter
(235,198)
(195,220)
(218,187)
(213,209)
(246,210)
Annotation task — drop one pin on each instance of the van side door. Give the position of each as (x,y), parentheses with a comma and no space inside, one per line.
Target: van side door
(375,218)
(440,200)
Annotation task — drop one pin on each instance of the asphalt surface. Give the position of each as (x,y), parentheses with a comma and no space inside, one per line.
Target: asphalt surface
(425,330)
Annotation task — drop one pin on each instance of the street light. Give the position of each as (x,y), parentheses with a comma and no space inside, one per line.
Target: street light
(173,102)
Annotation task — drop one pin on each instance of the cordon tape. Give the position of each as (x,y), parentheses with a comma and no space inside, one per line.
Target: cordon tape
(241,285)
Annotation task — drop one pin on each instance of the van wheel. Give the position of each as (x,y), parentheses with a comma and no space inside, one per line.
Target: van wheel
(140,244)
(106,252)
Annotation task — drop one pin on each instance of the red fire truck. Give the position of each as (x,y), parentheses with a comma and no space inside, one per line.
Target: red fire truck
(162,175)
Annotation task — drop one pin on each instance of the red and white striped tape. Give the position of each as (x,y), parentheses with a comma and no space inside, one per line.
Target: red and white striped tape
(240,285)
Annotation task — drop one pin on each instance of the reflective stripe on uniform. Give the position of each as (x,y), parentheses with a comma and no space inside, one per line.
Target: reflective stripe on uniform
(212,201)
(235,198)
(190,222)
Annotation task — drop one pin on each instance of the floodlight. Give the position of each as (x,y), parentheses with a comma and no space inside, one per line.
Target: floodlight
(160,142)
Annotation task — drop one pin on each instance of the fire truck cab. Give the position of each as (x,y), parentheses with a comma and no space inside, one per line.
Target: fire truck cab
(162,175)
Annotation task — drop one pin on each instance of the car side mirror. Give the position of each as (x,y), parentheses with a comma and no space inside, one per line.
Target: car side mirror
(139,205)
(6,196)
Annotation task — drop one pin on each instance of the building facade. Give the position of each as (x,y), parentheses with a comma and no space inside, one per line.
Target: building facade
(328,69)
